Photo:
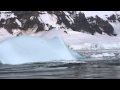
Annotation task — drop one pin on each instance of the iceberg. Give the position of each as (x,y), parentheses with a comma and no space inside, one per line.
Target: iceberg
(30,49)
(103,55)
(97,46)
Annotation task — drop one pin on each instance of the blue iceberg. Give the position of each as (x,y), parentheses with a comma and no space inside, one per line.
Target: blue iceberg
(30,49)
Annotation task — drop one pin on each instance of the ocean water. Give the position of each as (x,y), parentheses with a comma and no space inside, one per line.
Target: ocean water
(101,69)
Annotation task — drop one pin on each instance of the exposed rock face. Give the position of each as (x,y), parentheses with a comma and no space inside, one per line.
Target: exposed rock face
(77,21)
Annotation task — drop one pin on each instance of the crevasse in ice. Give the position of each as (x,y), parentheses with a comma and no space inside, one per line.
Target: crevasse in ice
(28,49)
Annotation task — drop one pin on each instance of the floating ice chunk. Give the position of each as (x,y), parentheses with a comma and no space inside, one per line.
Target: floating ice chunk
(102,55)
(28,49)
(106,54)
(112,54)
(97,56)
(99,46)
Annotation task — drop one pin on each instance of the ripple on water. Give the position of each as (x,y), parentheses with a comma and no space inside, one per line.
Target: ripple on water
(89,70)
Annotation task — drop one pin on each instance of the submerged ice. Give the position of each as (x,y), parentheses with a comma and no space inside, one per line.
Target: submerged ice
(28,49)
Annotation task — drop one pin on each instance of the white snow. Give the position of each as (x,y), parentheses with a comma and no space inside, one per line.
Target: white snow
(77,38)
(40,19)
(4,34)
(5,15)
(46,27)
(18,22)
(49,19)
(32,17)
(116,27)
(101,14)
(82,41)
(66,13)
(69,19)
(77,12)
(16,32)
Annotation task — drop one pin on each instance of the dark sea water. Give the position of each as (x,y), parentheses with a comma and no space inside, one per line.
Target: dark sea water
(102,69)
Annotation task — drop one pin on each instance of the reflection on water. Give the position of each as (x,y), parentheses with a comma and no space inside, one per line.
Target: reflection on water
(90,70)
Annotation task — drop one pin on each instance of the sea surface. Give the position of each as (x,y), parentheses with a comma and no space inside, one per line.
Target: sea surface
(101,69)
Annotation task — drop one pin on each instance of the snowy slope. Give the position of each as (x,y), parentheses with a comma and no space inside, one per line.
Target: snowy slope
(79,37)
(4,34)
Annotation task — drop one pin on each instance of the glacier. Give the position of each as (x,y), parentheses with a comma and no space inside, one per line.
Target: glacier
(96,46)
(30,49)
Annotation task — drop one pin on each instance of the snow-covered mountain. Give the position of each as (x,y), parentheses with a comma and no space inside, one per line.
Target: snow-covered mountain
(82,21)
(75,27)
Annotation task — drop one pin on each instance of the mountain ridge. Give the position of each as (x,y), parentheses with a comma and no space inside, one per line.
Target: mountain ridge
(82,21)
